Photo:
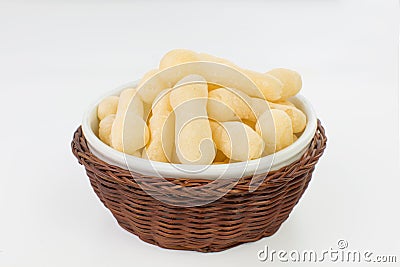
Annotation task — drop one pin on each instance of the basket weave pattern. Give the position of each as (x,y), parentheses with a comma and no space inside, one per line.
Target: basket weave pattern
(238,217)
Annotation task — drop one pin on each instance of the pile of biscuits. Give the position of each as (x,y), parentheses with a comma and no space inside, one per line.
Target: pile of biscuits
(200,109)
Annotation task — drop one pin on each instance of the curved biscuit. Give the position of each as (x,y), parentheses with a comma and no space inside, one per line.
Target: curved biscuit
(193,137)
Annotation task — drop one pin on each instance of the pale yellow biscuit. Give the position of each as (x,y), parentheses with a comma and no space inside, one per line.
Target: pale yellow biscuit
(129,131)
(268,86)
(229,105)
(237,140)
(275,127)
(107,106)
(291,80)
(299,119)
(193,137)
(161,126)
(105,128)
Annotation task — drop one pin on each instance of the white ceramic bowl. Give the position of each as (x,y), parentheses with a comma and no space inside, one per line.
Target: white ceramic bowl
(280,159)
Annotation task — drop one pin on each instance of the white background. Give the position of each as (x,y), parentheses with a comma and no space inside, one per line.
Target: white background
(56,57)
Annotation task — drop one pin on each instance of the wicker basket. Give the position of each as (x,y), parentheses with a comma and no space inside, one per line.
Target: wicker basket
(239,216)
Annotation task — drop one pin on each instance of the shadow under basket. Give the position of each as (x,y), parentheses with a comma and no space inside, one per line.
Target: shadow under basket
(239,216)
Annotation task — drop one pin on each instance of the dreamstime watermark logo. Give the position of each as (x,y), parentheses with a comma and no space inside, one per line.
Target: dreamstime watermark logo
(340,253)
(188,124)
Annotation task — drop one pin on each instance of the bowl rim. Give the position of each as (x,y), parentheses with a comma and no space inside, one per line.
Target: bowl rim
(254,166)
